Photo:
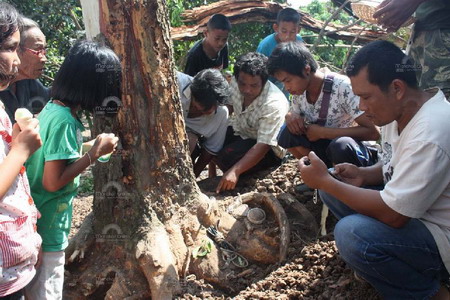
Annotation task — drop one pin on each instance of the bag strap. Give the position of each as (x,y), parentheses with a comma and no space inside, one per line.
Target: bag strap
(327,88)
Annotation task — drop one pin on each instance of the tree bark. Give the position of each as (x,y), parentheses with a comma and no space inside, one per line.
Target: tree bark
(148,212)
(149,179)
(153,172)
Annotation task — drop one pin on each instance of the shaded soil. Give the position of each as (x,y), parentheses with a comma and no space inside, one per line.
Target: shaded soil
(313,268)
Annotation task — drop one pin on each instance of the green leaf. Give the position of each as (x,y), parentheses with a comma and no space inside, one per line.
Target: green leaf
(202,250)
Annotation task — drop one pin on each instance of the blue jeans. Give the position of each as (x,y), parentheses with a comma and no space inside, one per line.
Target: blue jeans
(400,263)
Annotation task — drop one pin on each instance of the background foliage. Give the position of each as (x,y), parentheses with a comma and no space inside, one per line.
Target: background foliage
(62,23)
(330,56)
(246,37)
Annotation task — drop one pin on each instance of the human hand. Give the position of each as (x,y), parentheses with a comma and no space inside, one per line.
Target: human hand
(392,14)
(87,146)
(28,140)
(313,170)
(314,132)
(24,118)
(105,143)
(228,181)
(349,173)
(295,123)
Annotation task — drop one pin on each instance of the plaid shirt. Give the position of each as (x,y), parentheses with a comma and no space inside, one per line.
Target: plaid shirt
(263,118)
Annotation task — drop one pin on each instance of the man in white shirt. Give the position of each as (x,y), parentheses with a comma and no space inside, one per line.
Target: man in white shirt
(205,116)
(397,238)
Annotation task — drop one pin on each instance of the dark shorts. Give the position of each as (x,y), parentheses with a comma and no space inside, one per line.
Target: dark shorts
(14,296)
(288,140)
(236,147)
(332,152)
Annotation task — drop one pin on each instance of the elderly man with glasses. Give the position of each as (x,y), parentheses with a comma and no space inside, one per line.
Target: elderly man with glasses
(26,90)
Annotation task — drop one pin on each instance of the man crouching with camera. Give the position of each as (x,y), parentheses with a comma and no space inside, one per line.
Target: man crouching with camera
(396,238)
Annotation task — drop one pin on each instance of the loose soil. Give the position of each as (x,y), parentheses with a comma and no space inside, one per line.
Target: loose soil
(313,268)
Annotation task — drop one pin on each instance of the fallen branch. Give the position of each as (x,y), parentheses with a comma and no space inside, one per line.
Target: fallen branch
(322,31)
(239,11)
(333,46)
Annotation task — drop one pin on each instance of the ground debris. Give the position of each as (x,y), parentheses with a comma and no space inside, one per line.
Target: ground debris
(313,269)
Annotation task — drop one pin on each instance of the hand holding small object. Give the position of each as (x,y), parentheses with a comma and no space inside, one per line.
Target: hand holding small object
(25,119)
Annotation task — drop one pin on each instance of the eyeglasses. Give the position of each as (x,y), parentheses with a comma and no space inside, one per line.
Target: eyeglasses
(39,53)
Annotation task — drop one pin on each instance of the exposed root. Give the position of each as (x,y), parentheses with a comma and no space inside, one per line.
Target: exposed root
(82,240)
(208,212)
(305,219)
(118,289)
(164,253)
(116,278)
(177,243)
(157,262)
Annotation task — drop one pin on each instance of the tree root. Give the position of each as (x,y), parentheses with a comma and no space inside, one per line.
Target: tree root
(82,240)
(306,219)
(164,252)
(157,262)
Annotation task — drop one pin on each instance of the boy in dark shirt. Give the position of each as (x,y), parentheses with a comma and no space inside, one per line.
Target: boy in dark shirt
(212,51)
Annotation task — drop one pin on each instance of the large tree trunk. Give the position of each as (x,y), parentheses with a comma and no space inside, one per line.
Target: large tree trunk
(148,212)
(149,179)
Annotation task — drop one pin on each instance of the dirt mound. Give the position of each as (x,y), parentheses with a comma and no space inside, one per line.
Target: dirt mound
(313,268)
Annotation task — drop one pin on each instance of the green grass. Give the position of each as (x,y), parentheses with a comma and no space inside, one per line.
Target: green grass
(86,187)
